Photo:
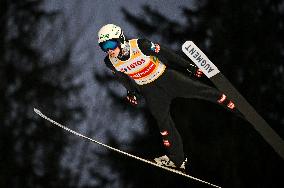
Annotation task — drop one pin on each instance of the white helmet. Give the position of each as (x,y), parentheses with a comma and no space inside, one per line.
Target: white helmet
(110,31)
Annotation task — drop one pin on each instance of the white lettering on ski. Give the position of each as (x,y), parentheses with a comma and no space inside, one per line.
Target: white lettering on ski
(200,59)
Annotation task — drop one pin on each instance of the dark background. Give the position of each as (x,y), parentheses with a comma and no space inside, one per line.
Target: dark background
(244,39)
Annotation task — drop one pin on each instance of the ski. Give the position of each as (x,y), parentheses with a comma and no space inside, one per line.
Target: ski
(119,151)
(222,83)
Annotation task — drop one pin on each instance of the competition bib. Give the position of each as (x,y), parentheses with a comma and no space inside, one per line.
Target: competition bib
(143,69)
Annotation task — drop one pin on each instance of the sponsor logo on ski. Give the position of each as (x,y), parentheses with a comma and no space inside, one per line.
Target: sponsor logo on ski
(200,59)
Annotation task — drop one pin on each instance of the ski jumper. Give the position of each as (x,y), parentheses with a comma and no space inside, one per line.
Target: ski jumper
(148,71)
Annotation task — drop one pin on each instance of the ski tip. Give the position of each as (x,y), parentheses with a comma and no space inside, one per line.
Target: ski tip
(36,111)
(186,43)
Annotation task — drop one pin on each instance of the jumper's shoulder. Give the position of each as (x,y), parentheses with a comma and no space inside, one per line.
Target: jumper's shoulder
(108,63)
(147,47)
(144,43)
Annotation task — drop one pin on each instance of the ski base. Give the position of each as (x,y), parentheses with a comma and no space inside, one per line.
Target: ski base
(122,152)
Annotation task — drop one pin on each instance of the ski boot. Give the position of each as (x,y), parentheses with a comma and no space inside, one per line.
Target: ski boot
(165,161)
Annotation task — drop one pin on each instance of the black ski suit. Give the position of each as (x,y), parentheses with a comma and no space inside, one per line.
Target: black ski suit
(159,94)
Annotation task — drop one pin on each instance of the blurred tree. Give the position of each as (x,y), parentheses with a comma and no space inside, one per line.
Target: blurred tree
(245,44)
(30,153)
(245,40)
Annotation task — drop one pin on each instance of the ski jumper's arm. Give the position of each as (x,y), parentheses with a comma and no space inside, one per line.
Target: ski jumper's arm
(121,77)
(167,56)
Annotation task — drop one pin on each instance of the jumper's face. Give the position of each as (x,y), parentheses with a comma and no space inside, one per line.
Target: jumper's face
(111,47)
(113,53)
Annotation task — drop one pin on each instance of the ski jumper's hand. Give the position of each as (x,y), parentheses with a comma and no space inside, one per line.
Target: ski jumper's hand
(198,73)
(131,98)
(194,71)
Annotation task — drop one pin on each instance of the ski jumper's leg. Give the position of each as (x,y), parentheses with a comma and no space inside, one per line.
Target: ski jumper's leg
(183,86)
(158,102)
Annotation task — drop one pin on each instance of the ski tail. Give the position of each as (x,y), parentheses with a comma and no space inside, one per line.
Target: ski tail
(222,83)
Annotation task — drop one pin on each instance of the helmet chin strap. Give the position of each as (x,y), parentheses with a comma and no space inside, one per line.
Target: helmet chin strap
(124,50)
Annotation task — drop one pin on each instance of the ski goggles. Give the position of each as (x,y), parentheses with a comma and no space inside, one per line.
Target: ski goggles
(109,45)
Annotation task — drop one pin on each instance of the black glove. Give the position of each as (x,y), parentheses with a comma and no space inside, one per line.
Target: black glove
(194,71)
(131,98)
